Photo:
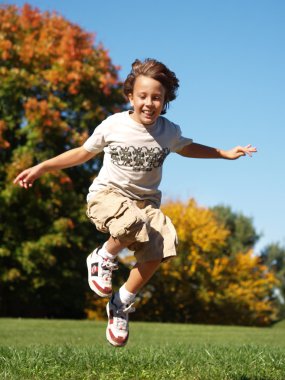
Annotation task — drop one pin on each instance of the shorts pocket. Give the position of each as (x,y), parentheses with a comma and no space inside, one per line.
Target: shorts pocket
(115,214)
(104,207)
(129,226)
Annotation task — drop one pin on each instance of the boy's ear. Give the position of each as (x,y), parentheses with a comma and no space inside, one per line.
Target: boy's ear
(130,97)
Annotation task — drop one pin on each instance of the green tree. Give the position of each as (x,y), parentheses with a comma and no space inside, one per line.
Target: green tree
(56,86)
(242,234)
(204,284)
(273,255)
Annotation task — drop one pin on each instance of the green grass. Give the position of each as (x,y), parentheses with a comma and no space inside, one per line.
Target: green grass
(53,349)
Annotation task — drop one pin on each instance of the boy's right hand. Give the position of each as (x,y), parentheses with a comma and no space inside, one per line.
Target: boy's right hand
(27,177)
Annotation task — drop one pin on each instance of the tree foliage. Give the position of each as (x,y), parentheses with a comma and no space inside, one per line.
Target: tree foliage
(242,236)
(206,282)
(273,255)
(205,285)
(56,86)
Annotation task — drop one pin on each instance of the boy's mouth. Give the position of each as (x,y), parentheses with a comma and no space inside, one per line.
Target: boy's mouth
(148,113)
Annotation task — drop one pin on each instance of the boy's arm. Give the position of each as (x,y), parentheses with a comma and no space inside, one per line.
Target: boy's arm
(202,151)
(67,159)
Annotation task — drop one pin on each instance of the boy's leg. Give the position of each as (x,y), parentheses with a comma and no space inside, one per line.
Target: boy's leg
(121,303)
(120,217)
(100,264)
(114,246)
(140,274)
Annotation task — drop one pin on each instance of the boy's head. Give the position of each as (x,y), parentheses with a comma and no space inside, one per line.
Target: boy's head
(151,68)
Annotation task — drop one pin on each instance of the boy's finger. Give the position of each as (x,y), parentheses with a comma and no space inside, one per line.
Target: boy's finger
(19,178)
(16,180)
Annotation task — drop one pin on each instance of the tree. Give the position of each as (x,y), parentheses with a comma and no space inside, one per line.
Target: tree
(56,86)
(273,255)
(242,236)
(203,284)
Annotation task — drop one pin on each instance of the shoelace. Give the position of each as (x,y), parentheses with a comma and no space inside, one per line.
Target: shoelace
(121,316)
(108,266)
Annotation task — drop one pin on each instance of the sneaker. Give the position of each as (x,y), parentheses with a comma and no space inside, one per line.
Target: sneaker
(100,273)
(117,332)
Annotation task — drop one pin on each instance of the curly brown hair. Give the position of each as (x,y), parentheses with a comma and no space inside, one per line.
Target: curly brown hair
(156,70)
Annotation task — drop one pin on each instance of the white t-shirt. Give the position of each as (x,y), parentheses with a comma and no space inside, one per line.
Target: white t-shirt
(134,154)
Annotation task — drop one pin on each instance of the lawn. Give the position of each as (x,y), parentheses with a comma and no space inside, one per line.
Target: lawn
(63,349)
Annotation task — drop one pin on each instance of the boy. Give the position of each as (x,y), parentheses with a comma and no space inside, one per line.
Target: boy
(124,199)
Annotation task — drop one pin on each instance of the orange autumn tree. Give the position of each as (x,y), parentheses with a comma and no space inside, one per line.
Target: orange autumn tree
(56,86)
(203,284)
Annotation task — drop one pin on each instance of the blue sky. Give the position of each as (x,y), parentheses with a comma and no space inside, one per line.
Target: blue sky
(229,56)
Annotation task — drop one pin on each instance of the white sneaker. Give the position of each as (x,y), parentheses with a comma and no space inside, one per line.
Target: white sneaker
(100,273)
(117,332)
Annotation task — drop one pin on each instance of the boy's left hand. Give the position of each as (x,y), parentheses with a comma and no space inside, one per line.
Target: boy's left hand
(238,152)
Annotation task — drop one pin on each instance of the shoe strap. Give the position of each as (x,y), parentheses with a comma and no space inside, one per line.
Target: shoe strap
(126,309)
(109,264)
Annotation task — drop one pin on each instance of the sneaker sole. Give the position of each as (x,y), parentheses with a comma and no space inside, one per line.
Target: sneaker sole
(109,337)
(91,283)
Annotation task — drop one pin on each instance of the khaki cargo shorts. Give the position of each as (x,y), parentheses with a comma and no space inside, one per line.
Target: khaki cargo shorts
(140,224)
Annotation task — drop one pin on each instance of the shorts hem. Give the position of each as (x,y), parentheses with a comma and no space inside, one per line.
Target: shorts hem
(162,259)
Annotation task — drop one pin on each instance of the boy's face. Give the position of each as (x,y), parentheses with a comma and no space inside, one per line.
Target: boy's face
(147,100)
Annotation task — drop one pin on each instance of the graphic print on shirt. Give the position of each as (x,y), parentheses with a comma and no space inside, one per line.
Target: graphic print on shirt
(140,158)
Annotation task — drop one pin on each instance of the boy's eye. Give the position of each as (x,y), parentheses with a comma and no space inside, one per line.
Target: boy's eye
(156,97)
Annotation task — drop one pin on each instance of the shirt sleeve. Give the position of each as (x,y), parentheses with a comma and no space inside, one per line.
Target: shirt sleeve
(97,141)
(180,141)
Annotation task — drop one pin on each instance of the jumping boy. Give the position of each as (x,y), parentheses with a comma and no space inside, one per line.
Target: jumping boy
(124,199)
